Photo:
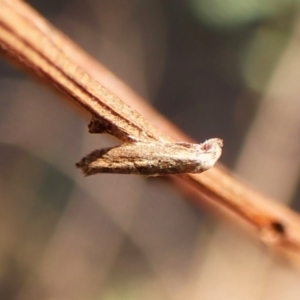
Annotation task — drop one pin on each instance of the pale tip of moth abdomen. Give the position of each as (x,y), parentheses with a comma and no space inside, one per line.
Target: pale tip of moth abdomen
(213,149)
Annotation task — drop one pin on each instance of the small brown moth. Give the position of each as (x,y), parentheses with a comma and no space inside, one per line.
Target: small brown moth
(153,158)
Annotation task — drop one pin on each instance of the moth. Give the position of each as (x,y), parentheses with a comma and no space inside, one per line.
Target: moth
(153,158)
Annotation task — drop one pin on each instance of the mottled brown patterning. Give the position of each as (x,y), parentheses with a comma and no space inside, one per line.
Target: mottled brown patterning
(153,158)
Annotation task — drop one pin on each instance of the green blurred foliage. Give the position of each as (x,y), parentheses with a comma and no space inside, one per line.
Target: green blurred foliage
(232,14)
(272,23)
(262,55)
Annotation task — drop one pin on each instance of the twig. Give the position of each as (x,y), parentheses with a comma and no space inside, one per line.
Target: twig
(27,39)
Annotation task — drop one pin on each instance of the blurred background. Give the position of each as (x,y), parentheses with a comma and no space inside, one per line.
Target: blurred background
(216,68)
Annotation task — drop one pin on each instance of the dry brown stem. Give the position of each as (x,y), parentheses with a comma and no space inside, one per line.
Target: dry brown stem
(27,39)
